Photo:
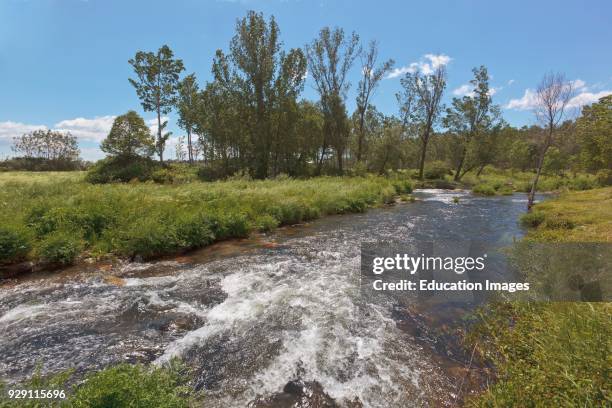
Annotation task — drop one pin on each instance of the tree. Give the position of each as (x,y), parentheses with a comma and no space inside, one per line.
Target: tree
(261,81)
(594,128)
(180,148)
(420,105)
(330,57)
(370,79)
(187,106)
(157,86)
(551,99)
(47,144)
(129,137)
(472,118)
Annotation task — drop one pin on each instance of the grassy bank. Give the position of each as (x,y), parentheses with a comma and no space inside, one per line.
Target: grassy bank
(56,219)
(552,354)
(123,385)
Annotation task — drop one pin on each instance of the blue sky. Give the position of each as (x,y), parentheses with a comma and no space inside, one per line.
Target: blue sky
(63,63)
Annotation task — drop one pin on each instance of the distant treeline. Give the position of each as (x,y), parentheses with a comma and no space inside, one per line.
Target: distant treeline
(251,118)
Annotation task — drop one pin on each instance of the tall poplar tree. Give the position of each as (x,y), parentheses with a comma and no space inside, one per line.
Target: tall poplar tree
(157,85)
(187,105)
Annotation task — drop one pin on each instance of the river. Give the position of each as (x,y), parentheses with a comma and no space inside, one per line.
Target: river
(250,315)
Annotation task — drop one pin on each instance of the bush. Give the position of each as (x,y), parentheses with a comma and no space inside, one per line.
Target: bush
(582,183)
(146,237)
(41,164)
(436,170)
(132,386)
(14,244)
(122,169)
(359,169)
(60,247)
(604,178)
(484,189)
(532,219)
(194,231)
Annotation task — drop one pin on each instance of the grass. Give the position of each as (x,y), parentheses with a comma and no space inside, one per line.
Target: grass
(508,181)
(54,221)
(123,385)
(584,216)
(555,353)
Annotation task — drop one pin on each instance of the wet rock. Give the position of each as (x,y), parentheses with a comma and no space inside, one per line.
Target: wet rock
(296,387)
(10,271)
(297,394)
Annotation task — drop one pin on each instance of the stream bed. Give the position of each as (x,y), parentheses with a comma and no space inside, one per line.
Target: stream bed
(248,316)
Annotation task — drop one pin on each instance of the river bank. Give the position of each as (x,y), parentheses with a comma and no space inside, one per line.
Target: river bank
(49,221)
(52,224)
(551,353)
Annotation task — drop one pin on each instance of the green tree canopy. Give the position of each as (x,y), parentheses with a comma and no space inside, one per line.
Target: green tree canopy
(157,86)
(129,137)
(595,135)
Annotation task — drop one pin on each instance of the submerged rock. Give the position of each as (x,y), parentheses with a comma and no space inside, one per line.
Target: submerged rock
(297,394)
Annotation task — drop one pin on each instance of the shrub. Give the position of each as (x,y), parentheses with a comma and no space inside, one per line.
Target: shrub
(402,186)
(132,386)
(604,178)
(147,237)
(359,169)
(14,243)
(582,183)
(484,189)
(265,223)
(194,231)
(436,170)
(532,219)
(60,247)
(122,169)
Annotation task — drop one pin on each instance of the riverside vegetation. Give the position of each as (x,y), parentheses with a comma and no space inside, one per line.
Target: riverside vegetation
(555,353)
(55,222)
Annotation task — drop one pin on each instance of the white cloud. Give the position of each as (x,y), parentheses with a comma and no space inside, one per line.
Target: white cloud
(586,98)
(583,97)
(578,84)
(401,71)
(88,131)
(526,102)
(463,90)
(152,123)
(426,65)
(468,90)
(94,130)
(510,82)
(9,129)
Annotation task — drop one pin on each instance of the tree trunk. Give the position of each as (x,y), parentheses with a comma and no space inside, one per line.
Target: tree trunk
(423,154)
(160,147)
(339,153)
(189,148)
(534,186)
(460,166)
(482,166)
(360,137)
(320,163)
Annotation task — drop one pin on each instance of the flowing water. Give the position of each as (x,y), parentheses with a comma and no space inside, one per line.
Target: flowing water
(248,316)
